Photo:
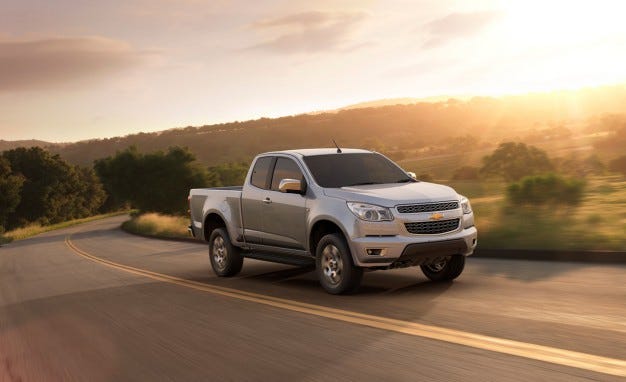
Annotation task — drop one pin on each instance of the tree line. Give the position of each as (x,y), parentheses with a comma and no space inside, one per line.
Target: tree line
(37,186)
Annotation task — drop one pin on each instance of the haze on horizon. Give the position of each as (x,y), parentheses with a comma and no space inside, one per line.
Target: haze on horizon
(72,70)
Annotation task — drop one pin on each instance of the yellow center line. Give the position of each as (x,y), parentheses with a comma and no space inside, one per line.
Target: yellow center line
(511,347)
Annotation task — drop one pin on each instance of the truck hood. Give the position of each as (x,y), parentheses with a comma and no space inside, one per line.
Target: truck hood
(389,195)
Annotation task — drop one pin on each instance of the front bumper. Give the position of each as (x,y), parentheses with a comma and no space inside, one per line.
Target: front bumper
(400,250)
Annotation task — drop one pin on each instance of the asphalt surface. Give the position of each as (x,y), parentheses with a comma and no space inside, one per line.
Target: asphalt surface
(66,317)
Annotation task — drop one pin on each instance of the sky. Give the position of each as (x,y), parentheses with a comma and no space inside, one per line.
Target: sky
(79,69)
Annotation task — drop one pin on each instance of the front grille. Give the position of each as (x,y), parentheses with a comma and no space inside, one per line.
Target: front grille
(433,227)
(431,207)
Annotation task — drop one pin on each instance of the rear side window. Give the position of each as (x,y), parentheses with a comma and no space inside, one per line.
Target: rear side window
(285,169)
(260,172)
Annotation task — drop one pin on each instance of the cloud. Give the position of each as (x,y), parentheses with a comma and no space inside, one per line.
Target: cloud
(310,32)
(457,25)
(53,62)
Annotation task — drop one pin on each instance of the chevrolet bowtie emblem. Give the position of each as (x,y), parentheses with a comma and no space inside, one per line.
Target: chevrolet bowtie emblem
(436,216)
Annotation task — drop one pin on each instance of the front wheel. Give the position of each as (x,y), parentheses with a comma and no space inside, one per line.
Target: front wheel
(445,268)
(226,259)
(336,272)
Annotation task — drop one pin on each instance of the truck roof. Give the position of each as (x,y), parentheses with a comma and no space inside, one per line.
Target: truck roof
(321,151)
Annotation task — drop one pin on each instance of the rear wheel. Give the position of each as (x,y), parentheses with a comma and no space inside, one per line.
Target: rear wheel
(226,259)
(445,268)
(336,272)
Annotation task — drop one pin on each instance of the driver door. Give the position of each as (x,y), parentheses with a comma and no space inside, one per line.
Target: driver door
(284,222)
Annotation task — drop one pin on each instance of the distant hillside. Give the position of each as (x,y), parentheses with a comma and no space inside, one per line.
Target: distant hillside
(442,125)
(385,102)
(397,101)
(9,145)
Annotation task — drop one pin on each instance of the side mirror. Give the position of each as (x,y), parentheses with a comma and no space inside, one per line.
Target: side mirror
(290,186)
(411,174)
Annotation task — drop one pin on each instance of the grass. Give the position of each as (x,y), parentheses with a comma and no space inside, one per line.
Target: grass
(36,229)
(598,223)
(153,224)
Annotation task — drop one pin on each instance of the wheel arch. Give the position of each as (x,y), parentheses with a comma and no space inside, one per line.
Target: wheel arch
(212,221)
(322,227)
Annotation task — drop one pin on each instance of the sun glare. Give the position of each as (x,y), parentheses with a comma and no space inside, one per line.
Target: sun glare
(565,22)
(561,44)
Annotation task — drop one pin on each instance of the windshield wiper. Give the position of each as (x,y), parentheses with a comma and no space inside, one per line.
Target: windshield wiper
(407,180)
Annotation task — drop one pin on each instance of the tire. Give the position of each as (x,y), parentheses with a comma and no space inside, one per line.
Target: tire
(445,270)
(335,269)
(226,259)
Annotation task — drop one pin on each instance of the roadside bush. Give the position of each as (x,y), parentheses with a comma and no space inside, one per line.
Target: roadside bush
(466,173)
(158,225)
(546,189)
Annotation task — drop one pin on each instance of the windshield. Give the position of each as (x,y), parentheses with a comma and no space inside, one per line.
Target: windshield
(341,170)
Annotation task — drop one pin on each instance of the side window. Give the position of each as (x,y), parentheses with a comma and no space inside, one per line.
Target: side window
(285,169)
(260,172)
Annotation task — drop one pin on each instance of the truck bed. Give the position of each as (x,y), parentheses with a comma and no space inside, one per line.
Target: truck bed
(221,198)
(229,188)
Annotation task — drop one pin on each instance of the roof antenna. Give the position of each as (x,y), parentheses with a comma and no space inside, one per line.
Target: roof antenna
(337,146)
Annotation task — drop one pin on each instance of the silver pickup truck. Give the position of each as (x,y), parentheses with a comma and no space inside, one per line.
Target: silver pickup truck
(341,210)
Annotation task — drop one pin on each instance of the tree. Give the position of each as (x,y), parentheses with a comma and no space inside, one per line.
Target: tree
(10,187)
(119,177)
(154,182)
(91,194)
(512,161)
(53,190)
(229,174)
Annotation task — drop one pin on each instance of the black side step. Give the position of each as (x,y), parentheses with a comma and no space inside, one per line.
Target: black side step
(297,260)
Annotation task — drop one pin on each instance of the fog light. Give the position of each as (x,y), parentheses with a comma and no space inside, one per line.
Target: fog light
(375,251)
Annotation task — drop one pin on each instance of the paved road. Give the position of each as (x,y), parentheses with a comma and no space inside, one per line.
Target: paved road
(67,317)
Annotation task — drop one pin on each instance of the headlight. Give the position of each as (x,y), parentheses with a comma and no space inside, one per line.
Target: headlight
(465,205)
(370,212)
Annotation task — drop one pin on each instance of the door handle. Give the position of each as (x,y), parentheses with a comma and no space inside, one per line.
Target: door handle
(267,201)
